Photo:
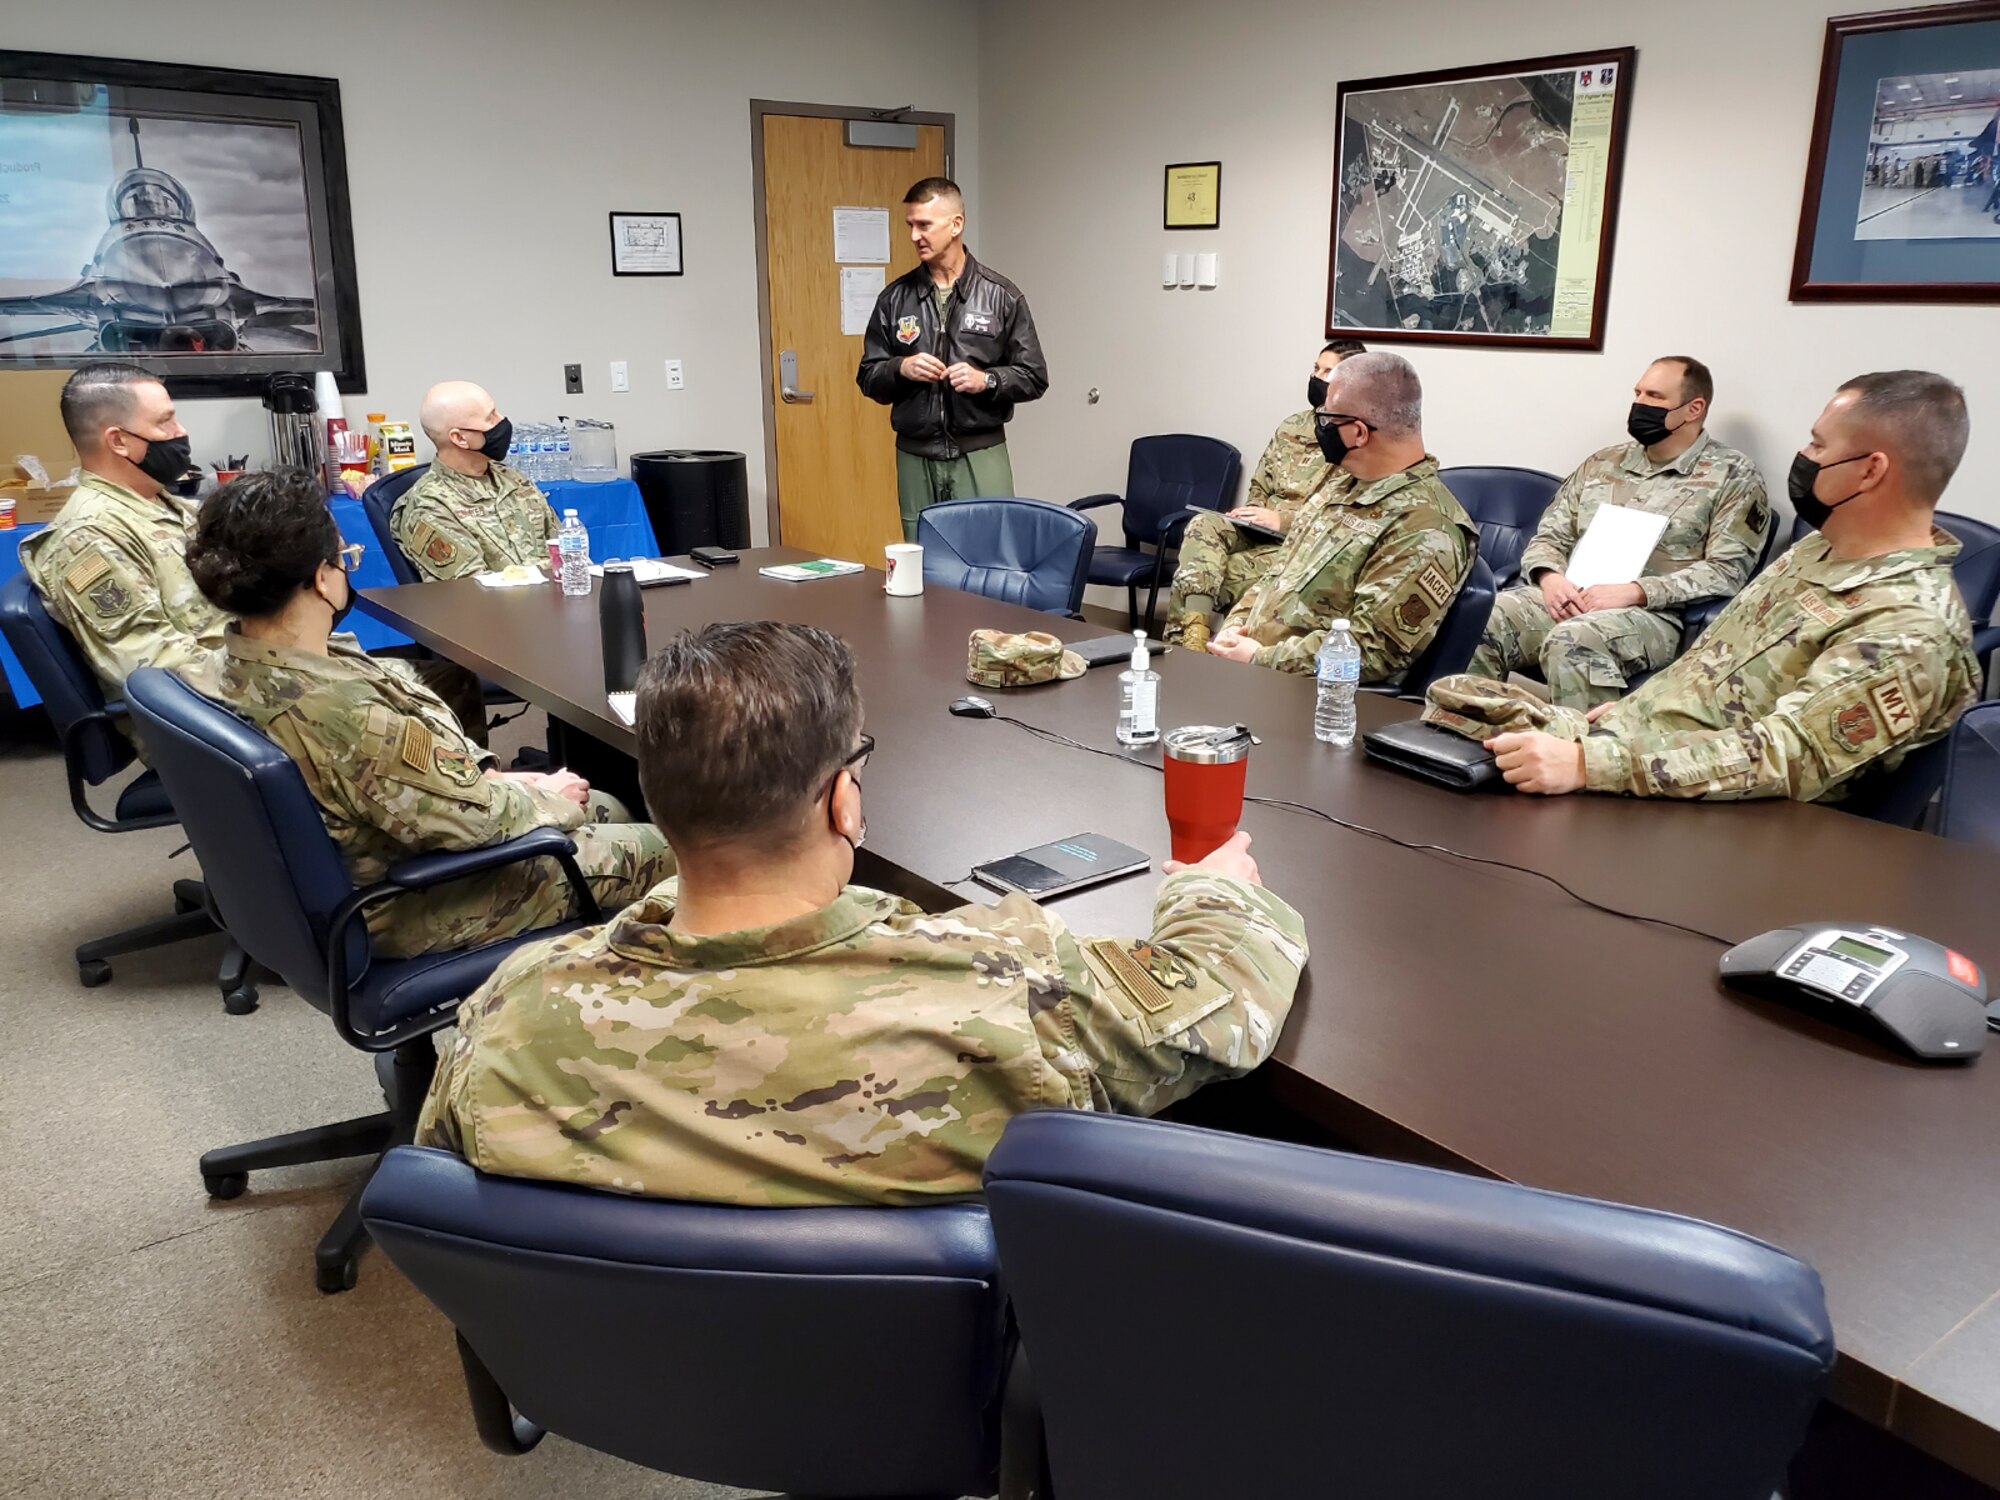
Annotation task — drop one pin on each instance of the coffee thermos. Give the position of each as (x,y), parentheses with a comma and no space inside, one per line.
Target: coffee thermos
(621,619)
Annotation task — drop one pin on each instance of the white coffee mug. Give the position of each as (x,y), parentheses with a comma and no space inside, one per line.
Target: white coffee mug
(906,569)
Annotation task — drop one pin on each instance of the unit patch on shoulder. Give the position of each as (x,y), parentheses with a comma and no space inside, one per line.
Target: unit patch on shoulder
(1411,614)
(416,747)
(86,570)
(1433,582)
(1760,513)
(109,598)
(455,766)
(1855,725)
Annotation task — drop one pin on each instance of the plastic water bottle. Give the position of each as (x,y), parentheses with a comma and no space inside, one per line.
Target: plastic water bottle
(1339,672)
(574,543)
(537,462)
(562,470)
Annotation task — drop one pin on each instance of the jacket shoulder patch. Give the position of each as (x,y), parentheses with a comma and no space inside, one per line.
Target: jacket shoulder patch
(86,570)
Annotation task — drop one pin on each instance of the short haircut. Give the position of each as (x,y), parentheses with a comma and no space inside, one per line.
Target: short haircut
(1696,380)
(741,726)
(1345,348)
(1383,390)
(260,539)
(1924,419)
(100,396)
(934,187)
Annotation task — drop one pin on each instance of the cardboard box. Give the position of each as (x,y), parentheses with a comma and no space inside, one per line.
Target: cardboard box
(31,423)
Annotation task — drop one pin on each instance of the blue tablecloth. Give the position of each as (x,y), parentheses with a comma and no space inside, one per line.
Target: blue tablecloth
(611,511)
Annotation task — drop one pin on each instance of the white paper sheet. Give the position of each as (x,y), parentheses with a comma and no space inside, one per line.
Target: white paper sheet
(626,706)
(651,570)
(529,575)
(1615,546)
(859,287)
(861,235)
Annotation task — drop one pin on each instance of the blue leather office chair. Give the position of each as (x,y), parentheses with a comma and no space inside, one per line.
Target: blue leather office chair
(1457,638)
(1169,479)
(816,1351)
(93,751)
(1977,573)
(378,503)
(1387,1330)
(277,880)
(1970,806)
(1018,551)
(1507,503)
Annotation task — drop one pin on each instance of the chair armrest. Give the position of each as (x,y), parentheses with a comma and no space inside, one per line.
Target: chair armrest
(72,754)
(1984,639)
(1096,502)
(1178,522)
(427,870)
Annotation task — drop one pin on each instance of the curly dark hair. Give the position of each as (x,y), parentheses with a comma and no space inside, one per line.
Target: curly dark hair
(259,540)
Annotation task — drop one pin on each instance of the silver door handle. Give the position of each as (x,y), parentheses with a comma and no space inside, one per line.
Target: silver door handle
(788,380)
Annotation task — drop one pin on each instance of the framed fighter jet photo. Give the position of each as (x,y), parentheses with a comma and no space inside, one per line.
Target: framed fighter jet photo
(192,220)
(1476,206)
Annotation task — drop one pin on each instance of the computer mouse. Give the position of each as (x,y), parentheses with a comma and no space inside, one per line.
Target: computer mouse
(972,706)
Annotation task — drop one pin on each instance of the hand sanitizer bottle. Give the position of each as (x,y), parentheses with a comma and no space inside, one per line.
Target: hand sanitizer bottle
(1138,698)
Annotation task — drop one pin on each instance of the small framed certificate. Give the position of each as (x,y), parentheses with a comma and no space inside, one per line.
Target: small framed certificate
(1194,195)
(645,244)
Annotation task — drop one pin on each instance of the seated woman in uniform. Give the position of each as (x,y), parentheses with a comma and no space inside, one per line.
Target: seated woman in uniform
(388,763)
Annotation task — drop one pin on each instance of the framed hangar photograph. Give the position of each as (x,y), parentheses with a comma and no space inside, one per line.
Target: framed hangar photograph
(1902,194)
(192,220)
(1477,206)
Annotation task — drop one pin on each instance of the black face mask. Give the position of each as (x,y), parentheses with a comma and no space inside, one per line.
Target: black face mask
(1799,486)
(1315,391)
(499,438)
(1331,443)
(1648,424)
(340,610)
(165,459)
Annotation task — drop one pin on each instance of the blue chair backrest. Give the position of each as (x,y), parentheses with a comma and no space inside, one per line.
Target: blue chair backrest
(1458,637)
(1388,1330)
(70,690)
(1507,505)
(822,1351)
(378,502)
(269,864)
(1171,471)
(1970,808)
(1025,552)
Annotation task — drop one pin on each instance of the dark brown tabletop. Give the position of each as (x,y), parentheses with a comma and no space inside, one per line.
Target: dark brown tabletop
(1455,1012)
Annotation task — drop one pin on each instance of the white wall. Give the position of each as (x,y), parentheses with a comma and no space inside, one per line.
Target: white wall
(457,110)
(1085,103)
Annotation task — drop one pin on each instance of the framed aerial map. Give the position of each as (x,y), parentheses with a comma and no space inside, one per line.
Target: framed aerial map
(192,220)
(1476,206)
(1902,200)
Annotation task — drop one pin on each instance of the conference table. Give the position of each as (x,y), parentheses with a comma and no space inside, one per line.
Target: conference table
(1457,1013)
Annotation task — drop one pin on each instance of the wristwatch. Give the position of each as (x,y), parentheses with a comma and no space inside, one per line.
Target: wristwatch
(992,380)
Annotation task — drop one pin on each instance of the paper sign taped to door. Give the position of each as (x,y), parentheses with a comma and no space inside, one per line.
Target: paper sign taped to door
(861,235)
(859,287)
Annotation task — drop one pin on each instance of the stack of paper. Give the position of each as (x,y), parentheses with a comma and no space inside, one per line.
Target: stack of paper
(825,567)
(651,570)
(1615,546)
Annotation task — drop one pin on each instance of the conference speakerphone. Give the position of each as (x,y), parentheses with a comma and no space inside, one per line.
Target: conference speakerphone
(1930,998)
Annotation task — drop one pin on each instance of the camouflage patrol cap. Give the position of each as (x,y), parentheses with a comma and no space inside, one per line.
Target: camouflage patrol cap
(999,659)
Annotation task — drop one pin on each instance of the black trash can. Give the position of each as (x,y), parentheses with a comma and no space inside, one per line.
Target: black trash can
(695,497)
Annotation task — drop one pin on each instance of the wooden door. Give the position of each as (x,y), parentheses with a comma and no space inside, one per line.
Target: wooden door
(836,453)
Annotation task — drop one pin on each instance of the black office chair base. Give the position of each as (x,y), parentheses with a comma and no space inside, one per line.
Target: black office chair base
(236,978)
(336,1258)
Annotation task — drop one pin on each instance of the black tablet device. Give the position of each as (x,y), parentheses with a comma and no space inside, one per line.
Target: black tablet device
(1066,865)
(1251,528)
(1104,650)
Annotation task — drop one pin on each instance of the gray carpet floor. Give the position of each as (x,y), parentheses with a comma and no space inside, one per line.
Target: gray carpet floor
(157,1344)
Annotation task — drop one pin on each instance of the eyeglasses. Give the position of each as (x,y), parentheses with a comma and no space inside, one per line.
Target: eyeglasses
(855,764)
(1327,419)
(350,556)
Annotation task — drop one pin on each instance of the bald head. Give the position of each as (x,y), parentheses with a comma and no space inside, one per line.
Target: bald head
(1380,388)
(456,404)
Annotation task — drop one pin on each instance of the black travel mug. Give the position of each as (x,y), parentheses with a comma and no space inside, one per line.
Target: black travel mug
(621,617)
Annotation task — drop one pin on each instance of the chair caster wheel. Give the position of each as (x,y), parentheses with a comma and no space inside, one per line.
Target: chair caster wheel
(225,1185)
(182,906)
(92,972)
(340,1278)
(240,1002)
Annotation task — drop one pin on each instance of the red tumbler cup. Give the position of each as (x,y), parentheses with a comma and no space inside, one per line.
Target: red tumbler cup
(1205,766)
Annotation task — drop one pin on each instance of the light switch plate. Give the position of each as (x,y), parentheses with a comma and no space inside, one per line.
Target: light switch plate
(619,381)
(674,378)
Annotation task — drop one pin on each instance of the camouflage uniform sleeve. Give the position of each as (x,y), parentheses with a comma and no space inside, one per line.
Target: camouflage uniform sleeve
(447,1106)
(437,543)
(1400,597)
(1556,536)
(108,598)
(1884,686)
(1205,997)
(1265,490)
(1737,525)
(429,794)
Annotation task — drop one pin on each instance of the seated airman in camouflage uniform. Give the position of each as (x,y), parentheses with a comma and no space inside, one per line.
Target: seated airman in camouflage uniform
(1383,544)
(1849,652)
(1586,643)
(471,512)
(112,567)
(1219,560)
(387,762)
(760,1031)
